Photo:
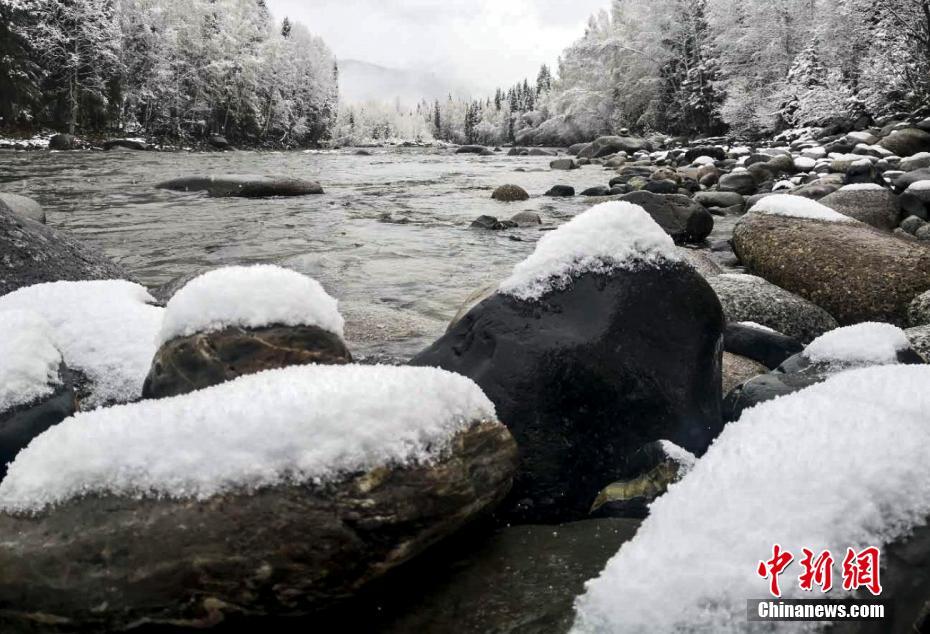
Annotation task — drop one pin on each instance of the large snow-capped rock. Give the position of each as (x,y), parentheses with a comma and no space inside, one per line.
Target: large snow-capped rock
(783,474)
(600,341)
(33,253)
(105,329)
(280,493)
(240,320)
(852,270)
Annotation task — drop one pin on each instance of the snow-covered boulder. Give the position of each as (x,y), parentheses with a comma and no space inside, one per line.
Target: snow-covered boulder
(35,387)
(857,346)
(33,253)
(751,298)
(869,203)
(854,271)
(105,329)
(601,340)
(781,475)
(240,320)
(279,493)
(244,186)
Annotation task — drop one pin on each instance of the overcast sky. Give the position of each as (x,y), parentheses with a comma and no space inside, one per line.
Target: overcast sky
(480,44)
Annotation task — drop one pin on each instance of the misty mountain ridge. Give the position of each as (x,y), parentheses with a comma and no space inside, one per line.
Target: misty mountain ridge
(361,81)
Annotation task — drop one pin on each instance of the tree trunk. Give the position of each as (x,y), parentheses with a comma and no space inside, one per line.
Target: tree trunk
(72,96)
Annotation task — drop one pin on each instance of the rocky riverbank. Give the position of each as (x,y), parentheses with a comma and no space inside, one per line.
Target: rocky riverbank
(606,377)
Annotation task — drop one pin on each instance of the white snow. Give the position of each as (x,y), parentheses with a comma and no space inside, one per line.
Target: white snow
(105,329)
(609,236)
(703,160)
(682,456)
(866,343)
(752,324)
(839,464)
(919,186)
(798,207)
(250,297)
(861,187)
(782,185)
(298,424)
(29,359)
(804,163)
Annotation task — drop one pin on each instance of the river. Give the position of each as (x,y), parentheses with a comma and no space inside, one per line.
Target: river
(390,237)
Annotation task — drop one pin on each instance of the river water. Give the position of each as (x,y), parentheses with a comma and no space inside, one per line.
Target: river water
(390,238)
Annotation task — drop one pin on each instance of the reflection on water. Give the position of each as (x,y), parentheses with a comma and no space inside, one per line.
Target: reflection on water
(390,238)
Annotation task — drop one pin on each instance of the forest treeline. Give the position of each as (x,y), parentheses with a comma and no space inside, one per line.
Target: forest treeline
(168,69)
(698,67)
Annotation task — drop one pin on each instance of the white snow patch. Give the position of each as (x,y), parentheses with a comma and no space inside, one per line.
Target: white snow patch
(682,456)
(919,186)
(299,424)
(752,324)
(105,329)
(781,474)
(609,236)
(703,160)
(861,187)
(866,343)
(804,163)
(29,359)
(781,185)
(798,207)
(250,297)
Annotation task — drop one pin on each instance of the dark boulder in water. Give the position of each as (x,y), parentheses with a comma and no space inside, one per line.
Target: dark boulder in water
(62,142)
(588,374)
(126,144)
(33,253)
(561,191)
(243,186)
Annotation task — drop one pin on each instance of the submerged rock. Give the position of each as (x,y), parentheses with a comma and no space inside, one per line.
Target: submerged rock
(561,191)
(286,550)
(473,149)
(243,186)
(33,253)
(491,223)
(510,193)
(126,144)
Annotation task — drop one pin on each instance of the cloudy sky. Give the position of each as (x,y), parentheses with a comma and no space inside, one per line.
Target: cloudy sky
(478,44)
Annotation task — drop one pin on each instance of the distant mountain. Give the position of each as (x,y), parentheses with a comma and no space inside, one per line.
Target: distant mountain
(362,81)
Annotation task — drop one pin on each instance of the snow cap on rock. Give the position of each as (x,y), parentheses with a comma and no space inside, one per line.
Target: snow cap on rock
(249,297)
(797,207)
(29,358)
(609,236)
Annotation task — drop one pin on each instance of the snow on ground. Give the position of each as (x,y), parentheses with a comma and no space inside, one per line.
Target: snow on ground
(105,329)
(787,472)
(798,207)
(859,187)
(682,456)
(609,236)
(250,297)
(296,424)
(37,142)
(870,343)
(919,186)
(29,359)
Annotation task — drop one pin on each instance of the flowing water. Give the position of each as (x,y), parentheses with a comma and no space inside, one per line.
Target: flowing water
(390,237)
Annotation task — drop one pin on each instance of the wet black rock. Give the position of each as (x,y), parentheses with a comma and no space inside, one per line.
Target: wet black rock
(474,149)
(243,186)
(586,375)
(62,142)
(600,190)
(561,191)
(126,144)
(20,424)
(33,253)
(768,347)
(491,223)
(219,142)
(679,216)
